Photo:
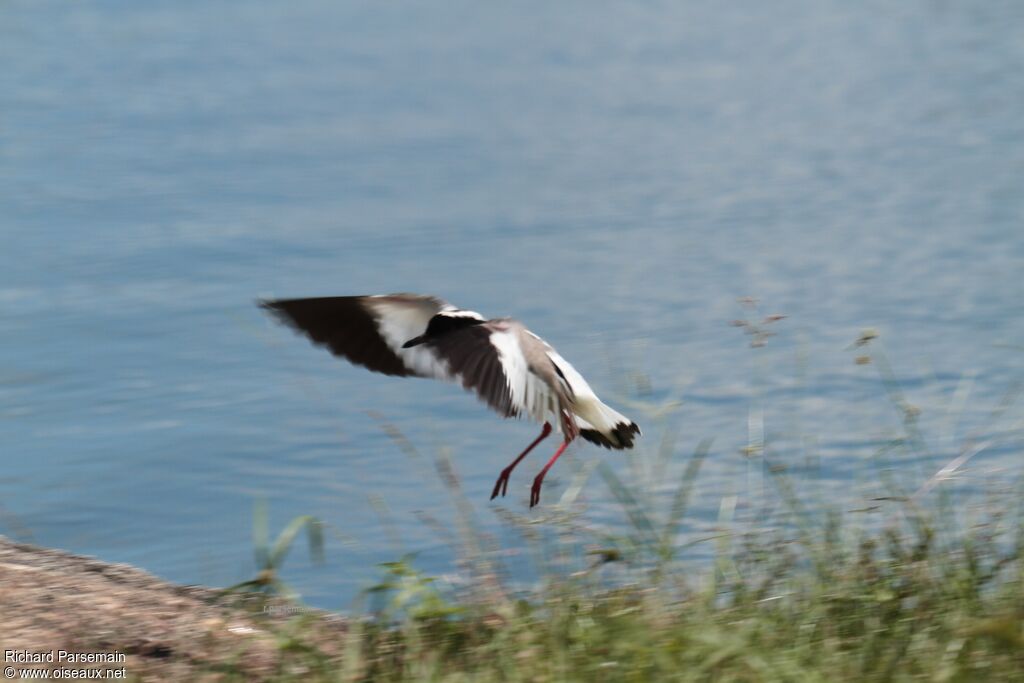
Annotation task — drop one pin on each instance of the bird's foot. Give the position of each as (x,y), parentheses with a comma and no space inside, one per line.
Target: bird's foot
(501,486)
(535,489)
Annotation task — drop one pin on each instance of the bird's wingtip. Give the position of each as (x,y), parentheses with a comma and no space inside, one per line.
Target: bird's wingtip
(266,304)
(275,309)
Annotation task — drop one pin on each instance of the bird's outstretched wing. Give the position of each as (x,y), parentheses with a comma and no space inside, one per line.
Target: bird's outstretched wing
(376,332)
(369,330)
(504,363)
(474,358)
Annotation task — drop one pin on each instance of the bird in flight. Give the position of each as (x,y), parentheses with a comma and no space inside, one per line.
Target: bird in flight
(513,370)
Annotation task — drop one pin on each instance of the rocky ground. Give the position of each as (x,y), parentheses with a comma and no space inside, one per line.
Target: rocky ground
(53,600)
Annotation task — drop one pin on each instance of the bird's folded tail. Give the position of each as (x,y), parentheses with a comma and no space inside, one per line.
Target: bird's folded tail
(606,427)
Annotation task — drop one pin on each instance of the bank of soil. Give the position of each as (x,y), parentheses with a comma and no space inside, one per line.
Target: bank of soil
(52,600)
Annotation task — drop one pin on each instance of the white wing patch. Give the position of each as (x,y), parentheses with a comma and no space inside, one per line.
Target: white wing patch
(400,323)
(530,395)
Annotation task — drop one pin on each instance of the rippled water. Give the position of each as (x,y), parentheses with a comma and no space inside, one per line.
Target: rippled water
(617,177)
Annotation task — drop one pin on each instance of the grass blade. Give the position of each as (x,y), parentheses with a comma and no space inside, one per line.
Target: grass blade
(682,497)
(284,541)
(637,515)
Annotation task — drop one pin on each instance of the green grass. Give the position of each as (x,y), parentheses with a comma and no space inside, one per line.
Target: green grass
(835,605)
(914,588)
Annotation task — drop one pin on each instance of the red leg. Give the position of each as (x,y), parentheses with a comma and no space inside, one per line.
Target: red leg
(535,489)
(502,483)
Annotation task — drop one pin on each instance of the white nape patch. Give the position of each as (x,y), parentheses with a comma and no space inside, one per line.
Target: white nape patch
(530,395)
(459,313)
(397,324)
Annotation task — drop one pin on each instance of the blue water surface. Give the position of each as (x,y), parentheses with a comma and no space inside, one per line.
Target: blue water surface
(615,175)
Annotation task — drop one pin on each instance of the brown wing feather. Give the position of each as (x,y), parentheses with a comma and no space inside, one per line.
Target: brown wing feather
(345,326)
(471,355)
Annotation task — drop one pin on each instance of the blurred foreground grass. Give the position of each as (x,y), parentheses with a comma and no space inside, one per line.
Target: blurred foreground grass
(925,590)
(825,604)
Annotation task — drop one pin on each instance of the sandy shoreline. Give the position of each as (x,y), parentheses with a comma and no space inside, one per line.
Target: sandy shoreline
(56,605)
